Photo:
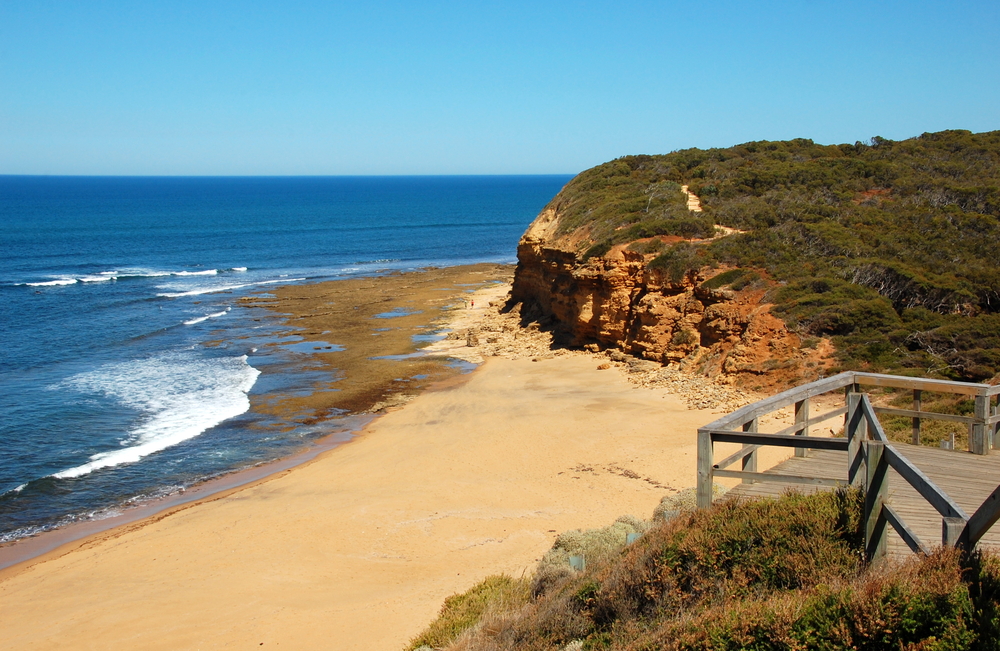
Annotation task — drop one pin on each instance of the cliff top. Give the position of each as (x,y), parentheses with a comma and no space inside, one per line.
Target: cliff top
(889,248)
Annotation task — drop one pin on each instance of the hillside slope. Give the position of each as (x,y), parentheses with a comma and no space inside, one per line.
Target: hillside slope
(805,259)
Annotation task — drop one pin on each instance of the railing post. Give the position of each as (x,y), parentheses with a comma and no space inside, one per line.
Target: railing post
(750,461)
(801,423)
(953,533)
(856,429)
(916,419)
(706,457)
(995,427)
(876,492)
(978,444)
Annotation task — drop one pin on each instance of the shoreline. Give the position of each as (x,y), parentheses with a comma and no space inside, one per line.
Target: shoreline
(363,542)
(64,539)
(22,553)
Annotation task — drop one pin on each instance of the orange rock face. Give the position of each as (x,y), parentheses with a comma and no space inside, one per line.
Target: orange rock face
(617,301)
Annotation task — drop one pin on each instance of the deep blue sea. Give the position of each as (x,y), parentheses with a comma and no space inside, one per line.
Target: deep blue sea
(110,287)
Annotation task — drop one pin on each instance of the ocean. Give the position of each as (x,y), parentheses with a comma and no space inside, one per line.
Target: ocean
(111,287)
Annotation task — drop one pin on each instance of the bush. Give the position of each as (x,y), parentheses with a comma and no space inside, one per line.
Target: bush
(597,251)
(924,604)
(677,261)
(905,227)
(772,574)
(594,545)
(725,278)
(494,596)
(654,245)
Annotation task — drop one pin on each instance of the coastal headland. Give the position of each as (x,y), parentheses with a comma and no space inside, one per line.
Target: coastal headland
(357,548)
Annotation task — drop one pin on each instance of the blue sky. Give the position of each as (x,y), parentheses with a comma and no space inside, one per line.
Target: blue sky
(305,87)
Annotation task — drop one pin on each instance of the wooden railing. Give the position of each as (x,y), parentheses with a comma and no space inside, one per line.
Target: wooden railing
(869,452)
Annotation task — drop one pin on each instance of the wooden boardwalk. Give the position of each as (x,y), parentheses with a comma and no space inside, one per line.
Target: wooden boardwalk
(967,478)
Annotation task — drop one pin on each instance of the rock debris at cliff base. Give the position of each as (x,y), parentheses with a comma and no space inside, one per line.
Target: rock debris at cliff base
(499,333)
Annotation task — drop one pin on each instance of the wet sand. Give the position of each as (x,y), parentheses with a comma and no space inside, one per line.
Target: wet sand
(358,548)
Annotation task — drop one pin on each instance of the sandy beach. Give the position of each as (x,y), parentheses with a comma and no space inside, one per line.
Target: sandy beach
(357,548)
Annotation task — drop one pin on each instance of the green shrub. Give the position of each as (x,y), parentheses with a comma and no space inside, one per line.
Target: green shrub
(597,251)
(593,545)
(925,604)
(784,574)
(683,337)
(690,226)
(912,225)
(678,261)
(495,595)
(654,245)
(725,278)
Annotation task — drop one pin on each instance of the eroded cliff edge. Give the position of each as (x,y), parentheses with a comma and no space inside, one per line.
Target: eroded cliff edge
(617,300)
(798,259)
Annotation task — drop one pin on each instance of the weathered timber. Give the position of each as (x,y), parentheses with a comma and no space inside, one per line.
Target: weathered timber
(706,452)
(784,479)
(876,492)
(953,532)
(917,415)
(897,523)
(739,455)
(899,382)
(979,443)
(870,460)
(791,429)
(985,517)
(779,400)
(749,461)
(802,423)
(786,440)
(922,483)
(856,427)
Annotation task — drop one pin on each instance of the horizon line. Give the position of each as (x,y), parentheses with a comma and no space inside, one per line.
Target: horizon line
(274,176)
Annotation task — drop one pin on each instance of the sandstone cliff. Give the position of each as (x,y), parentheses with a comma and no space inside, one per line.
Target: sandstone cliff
(618,301)
(884,250)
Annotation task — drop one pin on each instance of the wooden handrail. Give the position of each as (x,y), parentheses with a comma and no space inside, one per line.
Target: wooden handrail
(870,453)
(924,384)
(780,440)
(891,411)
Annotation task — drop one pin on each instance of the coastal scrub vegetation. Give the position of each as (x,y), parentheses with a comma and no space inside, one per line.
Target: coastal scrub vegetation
(889,248)
(773,574)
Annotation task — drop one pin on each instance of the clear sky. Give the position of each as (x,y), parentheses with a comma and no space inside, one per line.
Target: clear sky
(327,87)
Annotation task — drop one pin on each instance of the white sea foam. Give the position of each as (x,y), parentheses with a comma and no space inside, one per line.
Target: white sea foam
(179,395)
(15,490)
(141,273)
(201,290)
(53,283)
(239,268)
(207,317)
(103,276)
(283,280)
(207,272)
(223,288)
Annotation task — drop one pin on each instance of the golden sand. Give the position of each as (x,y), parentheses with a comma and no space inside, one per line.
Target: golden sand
(357,549)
